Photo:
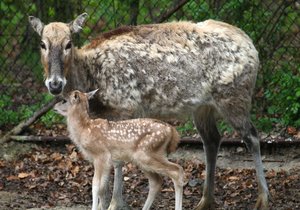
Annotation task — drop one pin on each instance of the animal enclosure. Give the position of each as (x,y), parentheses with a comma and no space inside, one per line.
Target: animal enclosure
(273,26)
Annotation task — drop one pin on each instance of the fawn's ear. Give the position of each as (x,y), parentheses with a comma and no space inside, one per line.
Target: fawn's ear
(91,94)
(36,24)
(75,97)
(77,24)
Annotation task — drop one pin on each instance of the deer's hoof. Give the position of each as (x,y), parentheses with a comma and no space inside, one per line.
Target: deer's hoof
(262,203)
(206,204)
(119,206)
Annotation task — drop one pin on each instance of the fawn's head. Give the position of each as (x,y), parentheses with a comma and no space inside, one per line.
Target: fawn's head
(76,101)
(56,49)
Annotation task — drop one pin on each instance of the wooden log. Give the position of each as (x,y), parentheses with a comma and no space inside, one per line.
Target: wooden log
(239,141)
(184,140)
(62,139)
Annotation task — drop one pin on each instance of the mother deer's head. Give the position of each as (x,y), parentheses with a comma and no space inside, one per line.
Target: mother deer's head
(56,49)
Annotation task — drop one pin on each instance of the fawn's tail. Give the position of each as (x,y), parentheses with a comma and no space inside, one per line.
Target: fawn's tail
(175,138)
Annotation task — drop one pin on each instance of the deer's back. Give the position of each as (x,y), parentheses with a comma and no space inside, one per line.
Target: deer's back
(167,69)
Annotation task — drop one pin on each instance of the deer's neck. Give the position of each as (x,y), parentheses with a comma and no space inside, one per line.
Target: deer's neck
(78,75)
(78,121)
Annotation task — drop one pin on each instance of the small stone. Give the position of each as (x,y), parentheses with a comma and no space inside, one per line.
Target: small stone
(194,182)
(240,150)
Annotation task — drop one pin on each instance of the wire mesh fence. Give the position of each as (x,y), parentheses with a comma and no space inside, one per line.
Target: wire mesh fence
(273,25)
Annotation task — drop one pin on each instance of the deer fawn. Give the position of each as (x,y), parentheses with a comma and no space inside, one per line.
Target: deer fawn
(168,70)
(145,142)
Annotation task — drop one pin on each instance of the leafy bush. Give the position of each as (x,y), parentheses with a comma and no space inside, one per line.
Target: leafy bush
(10,116)
(283,96)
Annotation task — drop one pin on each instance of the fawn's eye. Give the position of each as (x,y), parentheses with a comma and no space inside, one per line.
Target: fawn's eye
(69,45)
(43,45)
(64,101)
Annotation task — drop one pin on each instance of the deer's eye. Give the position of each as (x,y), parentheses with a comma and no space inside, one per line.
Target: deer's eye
(69,45)
(43,45)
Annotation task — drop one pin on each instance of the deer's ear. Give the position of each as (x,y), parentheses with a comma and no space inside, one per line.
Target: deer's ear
(77,24)
(91,94)
(36,24)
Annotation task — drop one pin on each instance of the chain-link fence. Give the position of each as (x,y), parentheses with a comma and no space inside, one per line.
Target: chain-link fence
(273,25)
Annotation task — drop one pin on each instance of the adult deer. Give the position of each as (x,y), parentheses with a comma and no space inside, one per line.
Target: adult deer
(176,69)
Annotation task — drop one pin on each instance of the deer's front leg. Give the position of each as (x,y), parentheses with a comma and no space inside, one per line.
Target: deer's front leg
(117,202)
(100,190)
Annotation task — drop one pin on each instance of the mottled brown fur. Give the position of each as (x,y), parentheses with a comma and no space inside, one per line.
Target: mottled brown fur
(109,35)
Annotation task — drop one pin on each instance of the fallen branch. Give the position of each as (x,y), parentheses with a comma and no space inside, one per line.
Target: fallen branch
(266,161)
(184,140)
(61,139)
(239,142)
(24,124)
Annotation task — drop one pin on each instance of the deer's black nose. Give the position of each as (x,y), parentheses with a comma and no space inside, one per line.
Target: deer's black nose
(55,87)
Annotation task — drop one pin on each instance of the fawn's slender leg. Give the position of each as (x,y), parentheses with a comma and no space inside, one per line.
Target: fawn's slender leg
(100,184)
(95,192)
(206,124)
(161,165)
(155,182)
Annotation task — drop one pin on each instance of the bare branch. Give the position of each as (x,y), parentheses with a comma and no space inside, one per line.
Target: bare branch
(24,124)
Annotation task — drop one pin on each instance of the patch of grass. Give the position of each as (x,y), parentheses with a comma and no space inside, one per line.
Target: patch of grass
(187,129)
(224,127)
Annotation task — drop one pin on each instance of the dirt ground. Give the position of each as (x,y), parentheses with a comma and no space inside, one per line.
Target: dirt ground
(55,177)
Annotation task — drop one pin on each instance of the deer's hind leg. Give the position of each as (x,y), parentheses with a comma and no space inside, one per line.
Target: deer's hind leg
(235,109)
(205,123)
(117,201)
(160,165)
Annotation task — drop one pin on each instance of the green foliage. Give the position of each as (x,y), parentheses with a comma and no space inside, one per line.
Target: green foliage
(51,118)
(280,75)
(187,128)
(266,124)
(283,95)
(224,127)
(9,116)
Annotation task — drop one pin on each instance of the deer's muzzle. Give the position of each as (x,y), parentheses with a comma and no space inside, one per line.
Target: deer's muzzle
(55,85)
